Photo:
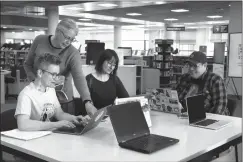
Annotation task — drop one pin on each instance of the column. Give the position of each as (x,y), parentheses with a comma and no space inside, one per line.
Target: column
(201,38)
(53,18)
(117,36)
(2,37)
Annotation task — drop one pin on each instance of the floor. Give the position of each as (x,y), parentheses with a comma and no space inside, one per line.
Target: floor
(228,156)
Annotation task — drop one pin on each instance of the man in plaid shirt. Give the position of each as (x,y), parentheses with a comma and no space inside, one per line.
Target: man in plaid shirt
(200,80)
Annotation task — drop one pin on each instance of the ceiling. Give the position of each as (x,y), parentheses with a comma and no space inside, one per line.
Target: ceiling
(152,14)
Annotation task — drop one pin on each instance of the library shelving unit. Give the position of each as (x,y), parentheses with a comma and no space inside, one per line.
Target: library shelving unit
(163,61)
(10,58)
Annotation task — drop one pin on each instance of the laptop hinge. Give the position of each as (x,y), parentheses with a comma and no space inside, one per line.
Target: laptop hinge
(199,121)
(145,134)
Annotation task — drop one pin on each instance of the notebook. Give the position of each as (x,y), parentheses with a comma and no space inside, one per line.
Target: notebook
(163,99)
(25,135)
(132,131)
(197,114)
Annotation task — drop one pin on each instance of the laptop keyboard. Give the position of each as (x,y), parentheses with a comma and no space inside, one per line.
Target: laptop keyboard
(149,142)
(206,122)
(77,129)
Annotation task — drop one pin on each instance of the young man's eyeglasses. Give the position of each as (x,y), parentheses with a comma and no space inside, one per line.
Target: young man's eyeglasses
(54,75)
(68,38)
(190,65)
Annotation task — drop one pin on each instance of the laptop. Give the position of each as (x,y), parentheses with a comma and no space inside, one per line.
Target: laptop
(132,131)
(197,114)
(80,129)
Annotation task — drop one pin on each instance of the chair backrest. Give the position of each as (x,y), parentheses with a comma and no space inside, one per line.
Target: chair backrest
(23,74)
(231,105)
(8,121)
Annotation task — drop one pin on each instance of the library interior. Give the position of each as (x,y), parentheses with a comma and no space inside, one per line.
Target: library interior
(167,55)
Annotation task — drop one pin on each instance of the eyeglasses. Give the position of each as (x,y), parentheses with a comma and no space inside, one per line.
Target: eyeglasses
(110,64)
(68,38)
(54,75)
(194,66)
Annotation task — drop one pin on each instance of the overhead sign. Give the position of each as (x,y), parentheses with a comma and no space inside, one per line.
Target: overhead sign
(172,28)
(220,29)
(91,41)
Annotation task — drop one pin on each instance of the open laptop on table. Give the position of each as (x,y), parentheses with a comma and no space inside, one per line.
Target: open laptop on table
(80,129)
(197,114)
(132,131)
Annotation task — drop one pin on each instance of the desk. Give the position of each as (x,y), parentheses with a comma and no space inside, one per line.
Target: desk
(3,73)
(100,143)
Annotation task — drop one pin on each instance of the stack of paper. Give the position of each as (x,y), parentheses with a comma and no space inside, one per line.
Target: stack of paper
(25,135)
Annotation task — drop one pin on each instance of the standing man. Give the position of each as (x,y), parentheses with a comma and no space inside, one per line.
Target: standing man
(200,80)
(70,67)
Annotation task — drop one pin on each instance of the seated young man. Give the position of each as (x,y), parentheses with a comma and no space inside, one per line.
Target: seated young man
(200,80)
(38,104)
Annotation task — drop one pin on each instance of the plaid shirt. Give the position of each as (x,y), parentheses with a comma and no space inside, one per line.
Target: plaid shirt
(213,88)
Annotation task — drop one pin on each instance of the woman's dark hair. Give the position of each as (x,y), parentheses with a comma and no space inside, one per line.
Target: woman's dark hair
(106,55)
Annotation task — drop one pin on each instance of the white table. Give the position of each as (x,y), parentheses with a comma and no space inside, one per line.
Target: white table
(3,73)
(100,143)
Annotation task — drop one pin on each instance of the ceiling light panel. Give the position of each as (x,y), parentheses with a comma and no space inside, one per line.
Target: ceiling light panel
(107,5)
(75,8)
(179,10)
(170,19)
(84,19)
(133,14)
(214,16)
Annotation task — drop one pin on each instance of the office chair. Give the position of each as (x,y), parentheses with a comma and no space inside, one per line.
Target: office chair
(8,121)
(16,77)
(10,80)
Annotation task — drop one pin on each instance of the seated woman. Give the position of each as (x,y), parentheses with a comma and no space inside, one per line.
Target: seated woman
(38,104)
(104,85)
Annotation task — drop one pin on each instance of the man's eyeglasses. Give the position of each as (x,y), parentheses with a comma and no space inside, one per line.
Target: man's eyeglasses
(111,64)
(68,38)
(190,65)
(54,75)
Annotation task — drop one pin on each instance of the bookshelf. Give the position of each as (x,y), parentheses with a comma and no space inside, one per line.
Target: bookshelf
(163,61)
(10,58)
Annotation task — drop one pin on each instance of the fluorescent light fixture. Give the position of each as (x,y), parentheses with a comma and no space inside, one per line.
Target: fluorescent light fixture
(229,5)
(171,19)
(84,19)
(146,1)
(30,29)
(4,27)
(180,10)
(214,16)
(160,2)
(75,8)
(13,32)
(189,23)
(107,5)
(133,14)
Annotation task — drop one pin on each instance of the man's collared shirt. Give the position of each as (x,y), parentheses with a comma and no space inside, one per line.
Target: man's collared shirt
(212,87)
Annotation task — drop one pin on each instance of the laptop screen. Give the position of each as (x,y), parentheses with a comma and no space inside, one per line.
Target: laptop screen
(195,108)
(128,121)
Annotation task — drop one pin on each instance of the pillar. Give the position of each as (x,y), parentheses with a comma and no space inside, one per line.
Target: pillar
(117,36)
(53,18)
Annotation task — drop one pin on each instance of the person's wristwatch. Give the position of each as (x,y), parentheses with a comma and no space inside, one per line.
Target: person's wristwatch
(85,101)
